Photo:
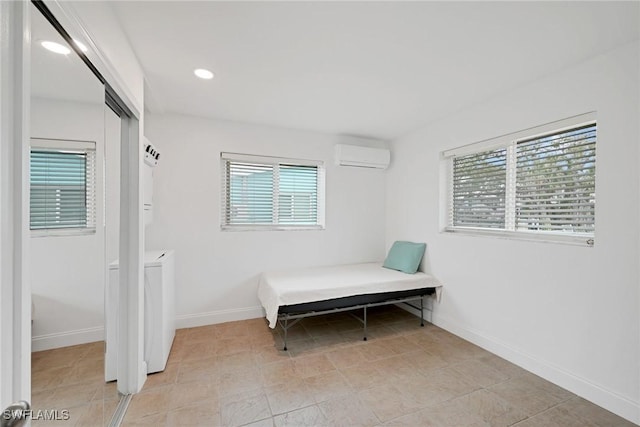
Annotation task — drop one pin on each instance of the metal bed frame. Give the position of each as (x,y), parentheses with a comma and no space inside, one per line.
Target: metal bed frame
(287,320)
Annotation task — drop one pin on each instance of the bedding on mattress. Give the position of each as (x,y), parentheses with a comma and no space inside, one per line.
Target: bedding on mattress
(276,289)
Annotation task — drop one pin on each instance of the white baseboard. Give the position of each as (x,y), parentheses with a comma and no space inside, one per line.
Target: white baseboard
(620,405)
(220,316)
(67,338)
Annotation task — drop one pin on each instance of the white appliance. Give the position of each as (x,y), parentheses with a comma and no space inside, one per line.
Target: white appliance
(159,312)
(364,157)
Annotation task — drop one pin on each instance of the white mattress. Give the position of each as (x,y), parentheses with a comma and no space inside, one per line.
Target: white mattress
(276,289)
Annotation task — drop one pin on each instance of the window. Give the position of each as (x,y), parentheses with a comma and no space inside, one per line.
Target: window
(271,193)
(63,199)
(539,182)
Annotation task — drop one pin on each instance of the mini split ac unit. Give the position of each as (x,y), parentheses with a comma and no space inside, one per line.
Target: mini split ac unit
(363,157)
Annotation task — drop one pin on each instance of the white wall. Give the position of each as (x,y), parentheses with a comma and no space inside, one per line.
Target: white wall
(217,272)
(568,313)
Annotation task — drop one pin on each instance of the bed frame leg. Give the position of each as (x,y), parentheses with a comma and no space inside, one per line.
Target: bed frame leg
(365,324)
(286,328)
(422,311)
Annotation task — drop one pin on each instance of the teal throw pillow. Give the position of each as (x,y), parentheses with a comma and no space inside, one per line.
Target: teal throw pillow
(405,256)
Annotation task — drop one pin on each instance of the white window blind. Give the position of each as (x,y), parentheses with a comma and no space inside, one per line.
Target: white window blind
(62,181)
(479,189)
(555,182)
(269,192)
(537,183)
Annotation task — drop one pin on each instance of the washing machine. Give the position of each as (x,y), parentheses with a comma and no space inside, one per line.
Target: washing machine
(159,312)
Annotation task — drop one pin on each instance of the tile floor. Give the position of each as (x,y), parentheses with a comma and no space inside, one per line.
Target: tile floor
(72,378)
(235,374)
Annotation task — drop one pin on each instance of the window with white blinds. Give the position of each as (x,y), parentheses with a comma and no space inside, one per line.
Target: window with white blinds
(62,187)
(271,193)
(538,182)
(479,189)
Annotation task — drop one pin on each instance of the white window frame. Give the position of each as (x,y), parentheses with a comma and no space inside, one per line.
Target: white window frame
(88,148)
(509,141)
(272,161)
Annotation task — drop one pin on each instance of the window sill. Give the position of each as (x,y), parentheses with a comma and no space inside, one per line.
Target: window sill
(541,237)
(63,232)
(270,228)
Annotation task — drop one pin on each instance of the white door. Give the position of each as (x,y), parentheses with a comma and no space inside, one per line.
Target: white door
(15,292)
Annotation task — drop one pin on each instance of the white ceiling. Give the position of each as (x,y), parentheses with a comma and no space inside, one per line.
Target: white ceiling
(374,69)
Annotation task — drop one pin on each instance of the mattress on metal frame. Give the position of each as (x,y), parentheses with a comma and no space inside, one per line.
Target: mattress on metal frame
(352,301)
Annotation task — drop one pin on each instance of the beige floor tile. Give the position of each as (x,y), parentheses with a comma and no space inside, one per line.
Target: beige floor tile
(206,413)
(524,392)
(202,333)
(501,365)
(236,362)
(278,372)
(267,422)
(451,382)
(327,386)
(576,411)
(233,329)
(289,396)
(348,411)
(486,407)
(480,373)
(269,354)
(305,347)
(156,420)
(239,381)
(395,367)
(400,345)
(422,391)
(84,371)
(265,339)
(198,369)
(95,350)
(234,345)
(364,376)
(423,361)
(74,395)
(196,350)
(309,366)
(556,417)
(375,351)
(423,338)
(95,414)
(388,402)
(436,417)
(149,402)
(187,394)
(47,379)
(244,408)
(307,417)
(346,357)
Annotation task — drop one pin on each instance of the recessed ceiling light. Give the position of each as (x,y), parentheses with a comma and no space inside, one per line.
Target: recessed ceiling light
(55,47)
(81,46)
(203,74)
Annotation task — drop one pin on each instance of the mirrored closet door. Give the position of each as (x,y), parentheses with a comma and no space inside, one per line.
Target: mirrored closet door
(70,229)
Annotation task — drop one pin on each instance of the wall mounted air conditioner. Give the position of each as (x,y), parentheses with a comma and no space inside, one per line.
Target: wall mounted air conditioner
(364,157)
